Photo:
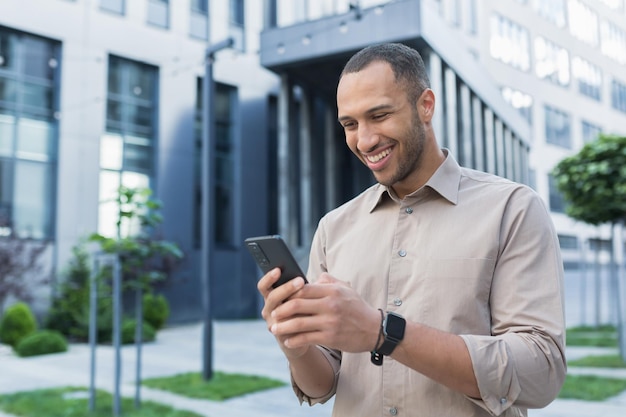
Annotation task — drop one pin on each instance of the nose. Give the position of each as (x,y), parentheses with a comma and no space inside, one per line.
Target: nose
(367,138)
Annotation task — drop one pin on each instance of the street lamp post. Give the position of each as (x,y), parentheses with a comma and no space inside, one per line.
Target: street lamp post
(208,181)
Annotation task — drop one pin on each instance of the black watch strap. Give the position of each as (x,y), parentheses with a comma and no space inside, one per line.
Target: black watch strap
(393,327)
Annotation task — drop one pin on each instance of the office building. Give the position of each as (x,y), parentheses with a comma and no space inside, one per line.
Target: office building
(99,93)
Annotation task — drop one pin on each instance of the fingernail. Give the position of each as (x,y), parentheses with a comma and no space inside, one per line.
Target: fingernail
(273,328)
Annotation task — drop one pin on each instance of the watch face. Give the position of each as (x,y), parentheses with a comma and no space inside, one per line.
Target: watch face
(395,326)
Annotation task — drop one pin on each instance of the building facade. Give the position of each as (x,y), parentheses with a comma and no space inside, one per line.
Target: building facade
(95,94)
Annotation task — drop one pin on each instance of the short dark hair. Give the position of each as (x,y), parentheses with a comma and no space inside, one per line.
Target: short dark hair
(406,63)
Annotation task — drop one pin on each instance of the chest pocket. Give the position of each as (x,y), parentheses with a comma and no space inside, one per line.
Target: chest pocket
(456,294)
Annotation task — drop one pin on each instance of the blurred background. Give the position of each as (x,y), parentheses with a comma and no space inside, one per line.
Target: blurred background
(98,94)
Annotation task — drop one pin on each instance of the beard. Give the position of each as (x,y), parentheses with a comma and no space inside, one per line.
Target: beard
(411,159)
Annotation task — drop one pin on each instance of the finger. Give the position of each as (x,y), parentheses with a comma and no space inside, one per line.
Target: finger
(278,296)
(265,283)
(301,331)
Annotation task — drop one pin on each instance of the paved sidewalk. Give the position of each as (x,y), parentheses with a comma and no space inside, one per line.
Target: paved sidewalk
(240,346)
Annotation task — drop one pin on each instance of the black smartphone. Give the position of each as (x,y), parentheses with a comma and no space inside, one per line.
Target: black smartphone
(271,252)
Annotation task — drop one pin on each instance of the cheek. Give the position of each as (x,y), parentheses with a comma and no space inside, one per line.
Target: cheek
(352,141)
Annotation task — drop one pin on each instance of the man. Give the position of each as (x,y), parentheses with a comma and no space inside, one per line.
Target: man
(437,291)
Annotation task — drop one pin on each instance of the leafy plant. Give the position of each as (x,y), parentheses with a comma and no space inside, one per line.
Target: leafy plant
(593,181)
(155,310)
(145,259)
(129,327)
(41,342)
(16,323)
(69,311)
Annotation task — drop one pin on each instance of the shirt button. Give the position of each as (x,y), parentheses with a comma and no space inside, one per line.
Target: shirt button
(408,210)
(503,401)
(393,411)
(402,253)
(397,302)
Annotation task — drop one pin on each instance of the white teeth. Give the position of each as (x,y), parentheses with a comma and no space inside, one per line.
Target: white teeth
(378,157)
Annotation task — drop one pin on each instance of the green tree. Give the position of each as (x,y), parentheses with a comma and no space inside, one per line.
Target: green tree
(593,183)
(144,258)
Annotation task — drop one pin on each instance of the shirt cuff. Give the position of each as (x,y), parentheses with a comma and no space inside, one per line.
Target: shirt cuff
(498,385)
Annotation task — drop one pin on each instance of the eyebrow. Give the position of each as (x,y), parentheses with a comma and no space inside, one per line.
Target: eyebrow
(369,111)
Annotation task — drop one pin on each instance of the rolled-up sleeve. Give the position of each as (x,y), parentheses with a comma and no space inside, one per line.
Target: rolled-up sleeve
(522,362)
(334,358)
(317,265)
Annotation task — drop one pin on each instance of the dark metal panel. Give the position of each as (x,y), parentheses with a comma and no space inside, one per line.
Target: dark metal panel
(314,52)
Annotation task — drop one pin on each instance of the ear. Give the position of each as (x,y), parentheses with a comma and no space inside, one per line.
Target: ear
(426,105)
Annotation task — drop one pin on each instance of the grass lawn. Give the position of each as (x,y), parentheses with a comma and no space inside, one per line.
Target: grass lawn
(74,402)
(591,388)
(601,336)
(221,387)
(604,361)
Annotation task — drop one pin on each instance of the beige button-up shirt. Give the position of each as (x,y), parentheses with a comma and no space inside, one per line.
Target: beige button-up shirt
(469,253)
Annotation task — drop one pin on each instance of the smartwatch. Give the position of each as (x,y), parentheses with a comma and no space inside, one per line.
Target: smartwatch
(393,331)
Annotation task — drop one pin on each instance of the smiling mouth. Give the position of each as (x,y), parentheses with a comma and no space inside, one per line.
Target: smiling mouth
(378,156)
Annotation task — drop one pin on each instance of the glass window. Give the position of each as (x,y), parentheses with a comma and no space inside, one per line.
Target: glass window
(590,131)
(618,96)
(568,242)
(127,147)
(200,6)
(237,12)
(551,62)
(28,134)
(30,206)
(472,16)
(115,6)
(39,60)
(8,41)
(35,139)
(7,134)
(271,14)
(588,77)
(613,4)
(613,42)
(159,13)
(509,43)
(520,101)
(557,202)
(111,151)
(37,96)
(583,22)
(8,92)
(551,10)
(558,130)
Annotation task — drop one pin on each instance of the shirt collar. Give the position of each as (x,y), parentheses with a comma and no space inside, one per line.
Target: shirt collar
(445,181)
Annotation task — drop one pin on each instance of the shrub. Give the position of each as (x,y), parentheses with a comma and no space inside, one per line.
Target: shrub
(17,322)
(155,310)
(69,313)
(41,343)
(128,332)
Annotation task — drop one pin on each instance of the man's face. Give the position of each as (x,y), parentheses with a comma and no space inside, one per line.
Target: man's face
(382,127)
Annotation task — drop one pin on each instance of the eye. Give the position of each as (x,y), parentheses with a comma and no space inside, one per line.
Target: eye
(349,125)
(380,116)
